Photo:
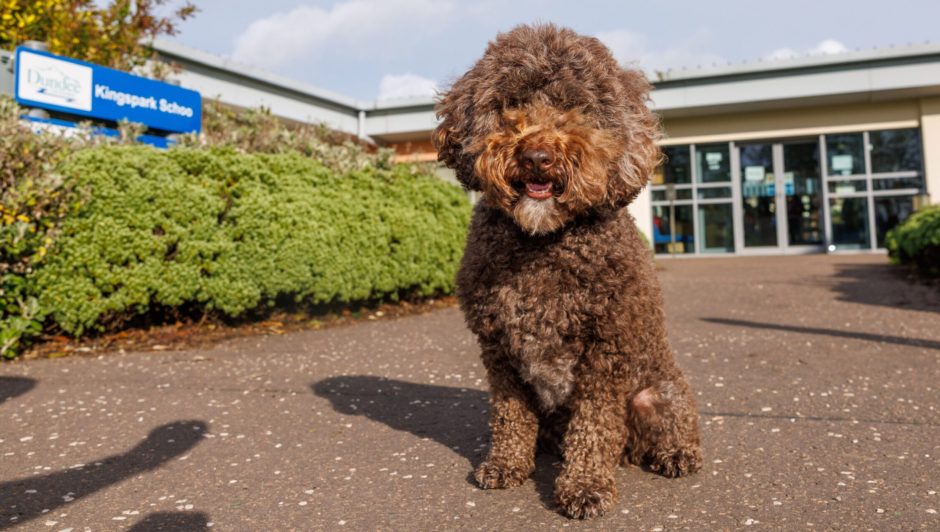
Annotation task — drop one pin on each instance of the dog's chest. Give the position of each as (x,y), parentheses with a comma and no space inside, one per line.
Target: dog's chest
(552,380)
(540,303)
(542,331)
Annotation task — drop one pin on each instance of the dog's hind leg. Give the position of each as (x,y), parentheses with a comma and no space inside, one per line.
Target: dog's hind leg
(664,429)
(514,427)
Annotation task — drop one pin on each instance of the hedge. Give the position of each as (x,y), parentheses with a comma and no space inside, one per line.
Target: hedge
(232,232)
(916,241)
(33,200)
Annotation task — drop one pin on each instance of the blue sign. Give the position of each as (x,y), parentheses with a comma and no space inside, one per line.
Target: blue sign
(70,86)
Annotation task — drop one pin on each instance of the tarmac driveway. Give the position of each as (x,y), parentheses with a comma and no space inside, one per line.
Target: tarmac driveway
(818,380)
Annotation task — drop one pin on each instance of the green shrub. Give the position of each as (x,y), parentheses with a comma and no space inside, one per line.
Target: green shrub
(916,241)
(33,200)
(231,232)
(259,131)
(210,228)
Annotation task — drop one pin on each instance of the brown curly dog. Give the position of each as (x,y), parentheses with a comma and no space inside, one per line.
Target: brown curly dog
(556,281)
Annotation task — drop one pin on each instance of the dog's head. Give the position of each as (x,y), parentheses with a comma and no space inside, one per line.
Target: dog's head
(548,126)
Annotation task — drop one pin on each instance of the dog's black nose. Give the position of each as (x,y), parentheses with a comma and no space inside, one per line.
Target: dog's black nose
(537,160)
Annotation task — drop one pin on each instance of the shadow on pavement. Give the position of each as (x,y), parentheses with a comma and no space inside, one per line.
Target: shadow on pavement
(884,285)
(454,417)
(899,340)
(10,387)
(188,521)
(27,498)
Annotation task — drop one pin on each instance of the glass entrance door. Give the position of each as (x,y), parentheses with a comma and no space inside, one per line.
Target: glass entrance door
(802,194)
(781,196)
(759,204)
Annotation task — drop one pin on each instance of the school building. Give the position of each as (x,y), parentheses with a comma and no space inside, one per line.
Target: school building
(811,154)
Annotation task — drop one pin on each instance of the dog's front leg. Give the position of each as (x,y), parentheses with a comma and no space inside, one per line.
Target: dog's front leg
(514,426)
(593,443)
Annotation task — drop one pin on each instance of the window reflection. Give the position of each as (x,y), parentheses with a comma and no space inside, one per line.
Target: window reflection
(758,187)
(848,186)
(896,183)
(713,163)
(713,209)
(889,212)
(662,236)
(716,228)
(801,185)
(895,150)
(676,169)
(714,193)
(849,222)
(844,154)
(681,194)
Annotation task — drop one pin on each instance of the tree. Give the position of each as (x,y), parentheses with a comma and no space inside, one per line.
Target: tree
(117,35)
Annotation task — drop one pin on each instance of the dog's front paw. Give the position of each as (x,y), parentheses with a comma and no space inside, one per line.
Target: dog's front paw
(677,462)
(584,497)
(494,475)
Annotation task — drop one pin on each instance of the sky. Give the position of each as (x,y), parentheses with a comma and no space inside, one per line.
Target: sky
(390,49)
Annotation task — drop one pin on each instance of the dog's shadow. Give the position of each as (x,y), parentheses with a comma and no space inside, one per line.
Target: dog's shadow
(454,417)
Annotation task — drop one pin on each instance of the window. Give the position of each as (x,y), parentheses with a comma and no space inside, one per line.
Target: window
(676,169)
(844,155)
(848,186)
(713,163)
(889,212)
(895,150)
(700,176)
(870,197)
(663,241)
(681,194)
(714,192)
(845,190)
(898,183)
(716,228)
(849,222)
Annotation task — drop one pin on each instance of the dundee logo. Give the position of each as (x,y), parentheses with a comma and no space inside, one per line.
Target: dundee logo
(52,81)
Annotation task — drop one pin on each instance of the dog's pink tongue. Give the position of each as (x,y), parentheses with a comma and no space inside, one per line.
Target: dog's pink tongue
(538,190)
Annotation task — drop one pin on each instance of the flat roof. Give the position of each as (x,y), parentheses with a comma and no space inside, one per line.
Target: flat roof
(801,62)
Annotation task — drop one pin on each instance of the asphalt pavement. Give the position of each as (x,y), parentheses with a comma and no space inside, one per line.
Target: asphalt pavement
(818,381)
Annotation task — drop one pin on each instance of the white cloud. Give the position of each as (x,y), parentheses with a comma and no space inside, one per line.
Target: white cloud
(829,46)
(396,86)
(632,49)
(350,26)
(825,47)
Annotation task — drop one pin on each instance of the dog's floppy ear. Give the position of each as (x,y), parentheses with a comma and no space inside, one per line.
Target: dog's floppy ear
(454,110)
(641,130)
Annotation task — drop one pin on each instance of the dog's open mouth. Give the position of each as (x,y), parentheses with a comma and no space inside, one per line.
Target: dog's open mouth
(539,190)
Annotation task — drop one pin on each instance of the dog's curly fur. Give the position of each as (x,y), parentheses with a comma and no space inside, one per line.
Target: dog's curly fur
(556,281)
